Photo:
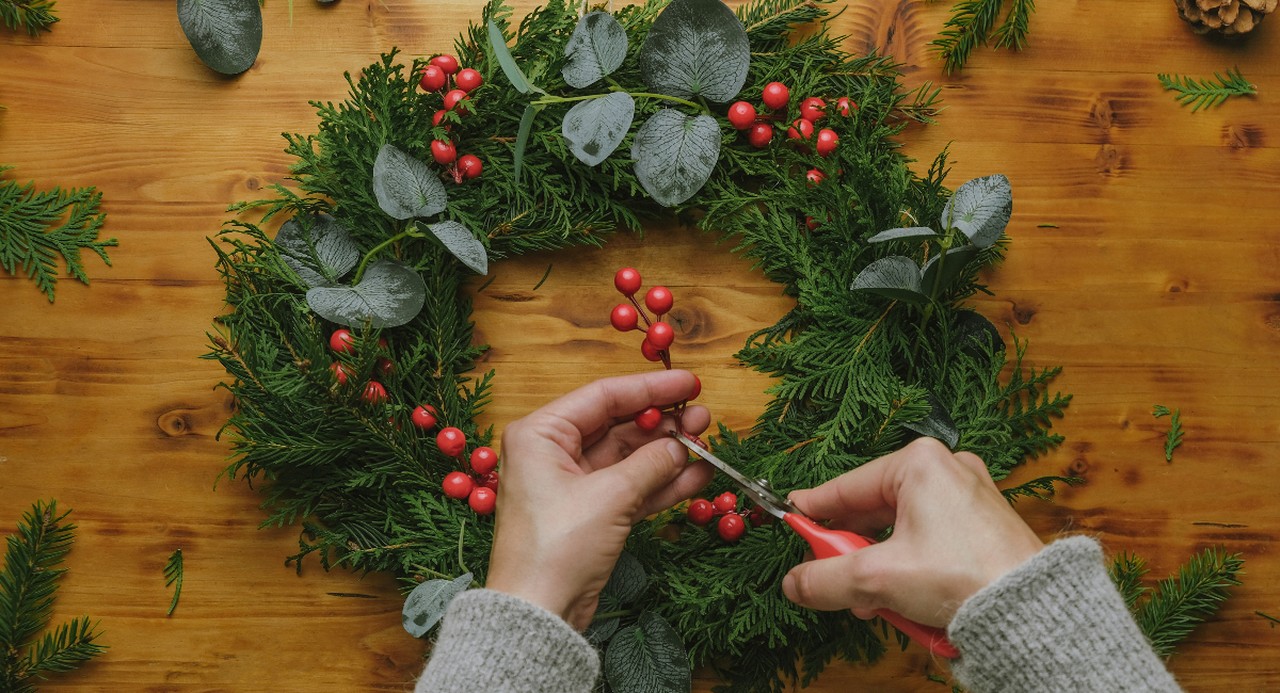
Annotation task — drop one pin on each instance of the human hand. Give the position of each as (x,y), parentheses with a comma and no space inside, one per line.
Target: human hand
(577,474)
(953,534)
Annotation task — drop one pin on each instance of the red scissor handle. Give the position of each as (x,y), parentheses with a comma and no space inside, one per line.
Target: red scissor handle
(833,542)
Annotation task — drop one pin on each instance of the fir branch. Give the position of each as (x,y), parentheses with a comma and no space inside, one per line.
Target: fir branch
(1180,603)
(1012,33)
(28,583)
(1127,571)
(967,28)
(38,227)
(32,15)
(1205,93)
(173,576)
(1174,437)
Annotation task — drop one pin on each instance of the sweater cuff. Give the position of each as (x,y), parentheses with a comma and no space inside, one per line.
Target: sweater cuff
(496,642)
(1056,622)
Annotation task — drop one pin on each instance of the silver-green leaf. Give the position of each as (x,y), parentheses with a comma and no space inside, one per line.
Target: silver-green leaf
(226,34)
(597,48)
(942,269)
(894,277)
(906,232)
(675,155)
(980,209)
(936,424)
(388,295)
(596,127)
(406,187)
(319,249)
(696,48)
(628,581)
(426,604)
(464,245)
(647,657)
(498,47)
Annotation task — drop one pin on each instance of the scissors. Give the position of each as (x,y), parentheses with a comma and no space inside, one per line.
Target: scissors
(824,542)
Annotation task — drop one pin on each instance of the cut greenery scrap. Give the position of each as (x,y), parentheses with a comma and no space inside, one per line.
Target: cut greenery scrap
(1173,438)
(1169,612)
(32,16)
(1205,93)
(173,578)
(975,23)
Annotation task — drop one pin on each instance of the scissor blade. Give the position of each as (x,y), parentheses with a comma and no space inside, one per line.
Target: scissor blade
(764,497)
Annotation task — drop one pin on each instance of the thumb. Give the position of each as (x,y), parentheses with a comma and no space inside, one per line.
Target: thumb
(853,581)
(648,469)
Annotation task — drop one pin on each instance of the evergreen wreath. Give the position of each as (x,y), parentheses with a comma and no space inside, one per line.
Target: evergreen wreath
(878,349)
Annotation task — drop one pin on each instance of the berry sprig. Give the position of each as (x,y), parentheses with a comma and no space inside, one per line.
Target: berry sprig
(437,76)
(342,341)
(479,487)
(776,96)
(732,523)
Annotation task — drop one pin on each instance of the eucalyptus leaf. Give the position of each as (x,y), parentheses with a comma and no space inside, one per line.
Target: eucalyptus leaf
(320,250)
(895,277)
(388,295)
(594,128)
(406,187)
(464,245)
(498,46)
(936,424)
(226,34)
(696,48)
(426,604)
(597,48)
(647,657)
(628,581)
(601,629)
(980,209)
(675,155)
(905,232)
(972,327)
(942,269)
(522,138)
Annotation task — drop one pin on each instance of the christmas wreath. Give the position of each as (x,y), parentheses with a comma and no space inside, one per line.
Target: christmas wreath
(349,346)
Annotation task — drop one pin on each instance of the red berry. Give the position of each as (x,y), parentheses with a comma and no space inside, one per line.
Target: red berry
(731,527)
(813,109)
(437,117)
(490,481)
(627,281)
(386,366)
(444,152)
(697,387)
(451,441)
(845,106)
(374,393)
(776,95)
(827,141)
(725,502)
(483,460)
(661,335)
(468,79)
(457,485)
(760,135)
(424,417)
(810,223)
(649,419)
(742,115)
(814,176)
(383,344)
(446,62)
(700,511)
(623,318)
(470,166)
(341,372)
(801,129)
(649,351)
(433,78)
(342,341)
(455,97)
(659,300)
(483,500)
(758,517)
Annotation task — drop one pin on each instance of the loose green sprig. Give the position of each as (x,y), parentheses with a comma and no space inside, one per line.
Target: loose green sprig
(1168,613)
(1205,93)
(173,577)
(973,23)
(33,16)
(1174,437)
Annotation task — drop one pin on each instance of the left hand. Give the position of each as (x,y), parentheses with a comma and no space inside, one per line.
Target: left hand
(577,474)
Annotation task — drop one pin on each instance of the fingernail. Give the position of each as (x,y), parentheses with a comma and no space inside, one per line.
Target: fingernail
(788,586)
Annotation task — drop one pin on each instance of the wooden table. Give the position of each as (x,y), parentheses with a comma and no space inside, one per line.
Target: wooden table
(1158,283)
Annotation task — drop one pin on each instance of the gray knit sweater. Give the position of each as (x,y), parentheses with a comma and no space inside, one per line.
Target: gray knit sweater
(1056,623)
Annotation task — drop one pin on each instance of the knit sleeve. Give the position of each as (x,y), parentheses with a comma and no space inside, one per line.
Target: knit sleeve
(490,641)
(1055,623)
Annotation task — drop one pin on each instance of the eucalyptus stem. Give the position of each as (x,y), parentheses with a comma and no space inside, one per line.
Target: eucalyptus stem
(550,99)
(411,232)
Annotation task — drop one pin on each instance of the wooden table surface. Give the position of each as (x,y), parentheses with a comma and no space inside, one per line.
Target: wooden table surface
(1158,284)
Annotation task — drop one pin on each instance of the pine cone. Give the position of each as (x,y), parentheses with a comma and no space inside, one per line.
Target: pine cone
(1225,17)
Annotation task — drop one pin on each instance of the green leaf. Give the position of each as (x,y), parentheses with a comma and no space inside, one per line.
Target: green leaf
(972,327)
(226,34)
(498,45)
(597,48)
(628,581)
(522,138)
(696,48)
(319,249)
(980,209)
(936,424)
(459,240)
(942,269)
(1205,93)
(426,604)
(675,155)
(37,227)
(173,576)
(647,657)
(406,187)
(596,127)
(389,295)
(894,277)
(905,232)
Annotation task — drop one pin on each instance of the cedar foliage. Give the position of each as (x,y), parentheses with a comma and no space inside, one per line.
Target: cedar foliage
(32,16)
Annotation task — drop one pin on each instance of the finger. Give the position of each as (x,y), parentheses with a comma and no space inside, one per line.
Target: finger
(619,441)
(644,472)
(693,478)
(852,581)
(976,465)
(594,407)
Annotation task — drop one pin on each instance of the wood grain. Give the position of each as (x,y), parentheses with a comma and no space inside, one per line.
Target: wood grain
(1156,283)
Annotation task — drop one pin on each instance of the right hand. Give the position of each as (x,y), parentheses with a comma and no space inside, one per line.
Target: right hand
(953,534)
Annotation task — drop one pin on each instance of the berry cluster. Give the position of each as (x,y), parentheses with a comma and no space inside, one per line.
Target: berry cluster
(342,341)
(436,78)
(658,334)
(732,523)
(803,129)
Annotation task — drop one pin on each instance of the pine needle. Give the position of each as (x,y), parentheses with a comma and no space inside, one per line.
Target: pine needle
(1012,33)
(1205,93)
(1174,437)
(32,15)
(173,576)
